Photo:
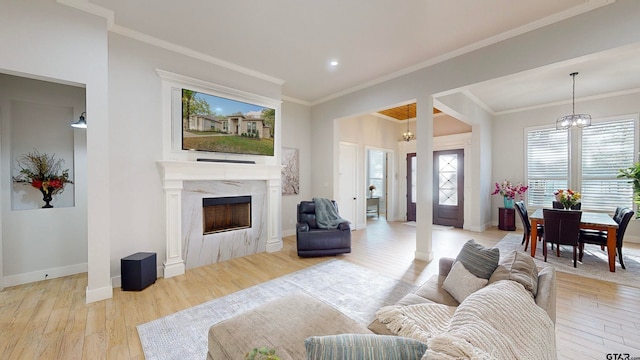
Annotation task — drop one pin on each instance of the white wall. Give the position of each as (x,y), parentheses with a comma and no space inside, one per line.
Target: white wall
(548,45)
(42,242)
(509,133)
(135,106)
(47,40)
(296,134)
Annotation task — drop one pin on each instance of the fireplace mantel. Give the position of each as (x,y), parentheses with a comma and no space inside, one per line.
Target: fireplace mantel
(172,170)
(175,172)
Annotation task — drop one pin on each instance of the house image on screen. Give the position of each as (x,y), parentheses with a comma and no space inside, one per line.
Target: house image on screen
(232,125)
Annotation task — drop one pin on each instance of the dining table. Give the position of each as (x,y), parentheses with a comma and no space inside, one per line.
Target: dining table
(589,220)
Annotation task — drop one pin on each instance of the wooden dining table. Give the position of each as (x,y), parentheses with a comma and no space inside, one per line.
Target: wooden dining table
(589,220)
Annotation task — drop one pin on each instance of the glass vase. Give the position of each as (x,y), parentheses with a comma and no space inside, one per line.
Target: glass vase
(508,203)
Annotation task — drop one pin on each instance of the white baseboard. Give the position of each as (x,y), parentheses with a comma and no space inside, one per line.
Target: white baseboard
(274,246)
(291,232)
(424,256)
(46,274)
(98,294)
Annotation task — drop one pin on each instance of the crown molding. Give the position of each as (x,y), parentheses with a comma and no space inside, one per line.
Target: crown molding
(85,6)
(577,10)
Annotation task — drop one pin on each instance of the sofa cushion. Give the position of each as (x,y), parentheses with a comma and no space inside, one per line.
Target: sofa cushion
(519,267)
(461,283)
(363,346)
(479,260)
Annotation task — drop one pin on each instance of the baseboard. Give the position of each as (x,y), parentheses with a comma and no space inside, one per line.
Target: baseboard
(274,246)
(46,274)
(419,255)
(98,294)
(291,232)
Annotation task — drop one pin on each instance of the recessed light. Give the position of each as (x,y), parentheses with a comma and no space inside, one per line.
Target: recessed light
(333,63)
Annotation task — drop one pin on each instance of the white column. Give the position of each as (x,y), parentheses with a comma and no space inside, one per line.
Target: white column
(424,172)
(274,196)
(174,264)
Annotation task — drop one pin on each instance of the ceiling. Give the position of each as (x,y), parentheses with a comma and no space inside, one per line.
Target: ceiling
(292,41)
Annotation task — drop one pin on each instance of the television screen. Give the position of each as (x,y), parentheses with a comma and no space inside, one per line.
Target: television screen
(217,124)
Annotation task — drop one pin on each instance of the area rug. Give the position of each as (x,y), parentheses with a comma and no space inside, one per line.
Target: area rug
(595,263)
(355,291)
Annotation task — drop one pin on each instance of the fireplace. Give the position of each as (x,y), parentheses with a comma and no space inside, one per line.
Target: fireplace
(187,183)
(222,214)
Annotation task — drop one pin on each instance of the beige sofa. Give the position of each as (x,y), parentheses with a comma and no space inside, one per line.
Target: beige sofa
(432,291)
(279,324)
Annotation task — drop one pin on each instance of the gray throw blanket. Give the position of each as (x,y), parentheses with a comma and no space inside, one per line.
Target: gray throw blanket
(327,216)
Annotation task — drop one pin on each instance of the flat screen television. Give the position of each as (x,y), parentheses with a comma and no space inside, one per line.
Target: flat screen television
(215,124)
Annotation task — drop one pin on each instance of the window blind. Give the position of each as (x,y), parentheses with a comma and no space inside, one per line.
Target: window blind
(547,165)
(606,148)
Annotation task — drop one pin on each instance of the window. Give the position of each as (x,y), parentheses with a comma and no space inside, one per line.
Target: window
(251,127)
(376,171)
(606,148)
(547,164)
(602,149)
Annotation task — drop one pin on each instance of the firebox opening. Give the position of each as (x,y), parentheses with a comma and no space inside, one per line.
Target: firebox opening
(226,214)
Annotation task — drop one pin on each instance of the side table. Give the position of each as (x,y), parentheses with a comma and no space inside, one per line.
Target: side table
(506,219)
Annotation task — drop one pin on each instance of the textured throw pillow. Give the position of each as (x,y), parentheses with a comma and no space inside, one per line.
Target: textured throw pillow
(519,267)
(479,260)
(461,283)
(363,346)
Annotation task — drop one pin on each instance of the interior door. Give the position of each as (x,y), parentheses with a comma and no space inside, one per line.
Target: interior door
(448,183)
(347,182)
(411,187)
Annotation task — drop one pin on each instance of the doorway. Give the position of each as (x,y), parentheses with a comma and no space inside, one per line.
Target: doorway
(448,188)
(377,183)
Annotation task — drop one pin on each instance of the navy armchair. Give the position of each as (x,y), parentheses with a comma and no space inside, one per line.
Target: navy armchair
(313,241)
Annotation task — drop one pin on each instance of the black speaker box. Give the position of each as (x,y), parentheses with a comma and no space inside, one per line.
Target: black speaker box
(138,271)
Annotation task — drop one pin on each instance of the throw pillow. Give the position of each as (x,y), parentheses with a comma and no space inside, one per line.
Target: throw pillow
(479,260)
(363,346)
(461,283)
(519,267)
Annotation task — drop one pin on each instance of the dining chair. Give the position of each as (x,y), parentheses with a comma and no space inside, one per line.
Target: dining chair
(622,216)
(558,205)
(521,210)
(561,228)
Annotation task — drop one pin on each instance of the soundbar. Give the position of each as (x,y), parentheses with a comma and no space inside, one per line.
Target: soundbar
(227,161)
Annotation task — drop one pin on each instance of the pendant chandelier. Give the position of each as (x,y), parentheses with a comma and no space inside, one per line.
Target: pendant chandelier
(408,136)
(573,120)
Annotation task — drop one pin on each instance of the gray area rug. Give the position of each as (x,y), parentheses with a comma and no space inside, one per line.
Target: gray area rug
(355,291)
(595,263)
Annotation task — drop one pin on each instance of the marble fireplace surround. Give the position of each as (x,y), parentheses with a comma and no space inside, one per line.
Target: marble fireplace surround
(174,173)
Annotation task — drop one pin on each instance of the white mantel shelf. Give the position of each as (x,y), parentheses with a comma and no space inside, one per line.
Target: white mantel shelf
(175,172)
(204,170)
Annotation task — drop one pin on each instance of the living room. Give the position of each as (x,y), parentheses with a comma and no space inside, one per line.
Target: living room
(125,138)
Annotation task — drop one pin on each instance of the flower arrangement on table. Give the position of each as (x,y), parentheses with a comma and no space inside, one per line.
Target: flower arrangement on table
(43,172)
(509,191)
(371,188)
(568,198)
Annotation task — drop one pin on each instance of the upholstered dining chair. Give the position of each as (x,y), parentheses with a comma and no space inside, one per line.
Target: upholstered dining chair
(561,227)
(521,210)
(558,205)
(622,216)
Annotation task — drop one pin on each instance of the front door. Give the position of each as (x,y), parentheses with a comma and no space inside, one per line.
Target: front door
(448,188)
(411,187)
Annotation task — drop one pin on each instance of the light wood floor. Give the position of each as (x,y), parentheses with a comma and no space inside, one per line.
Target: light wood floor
(49,319)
